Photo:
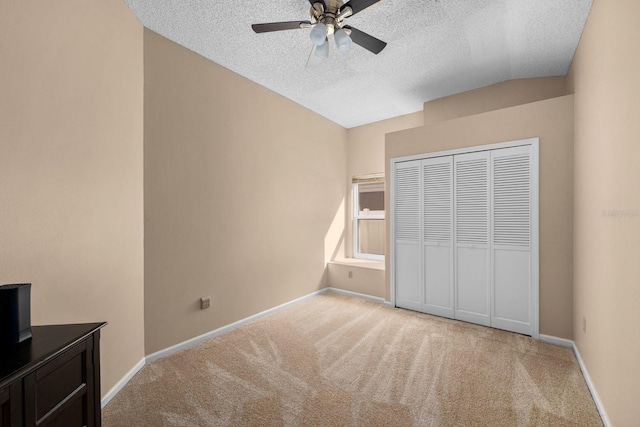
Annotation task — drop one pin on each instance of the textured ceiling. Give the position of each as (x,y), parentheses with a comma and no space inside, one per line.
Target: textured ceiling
(435,48)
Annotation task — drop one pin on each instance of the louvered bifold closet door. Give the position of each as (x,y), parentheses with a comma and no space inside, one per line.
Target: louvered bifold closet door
(511,239)
(437,177)
(471,248)
(407,231)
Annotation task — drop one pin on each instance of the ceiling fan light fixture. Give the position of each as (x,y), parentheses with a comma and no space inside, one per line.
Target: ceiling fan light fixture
(330,29)
(322,51)
(318,34)
(343,41)
(326,20)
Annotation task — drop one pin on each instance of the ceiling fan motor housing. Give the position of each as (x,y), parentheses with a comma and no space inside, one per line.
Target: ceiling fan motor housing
(329,14)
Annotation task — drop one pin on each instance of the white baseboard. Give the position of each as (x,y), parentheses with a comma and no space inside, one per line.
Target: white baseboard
(224,329)
(592,388)
(193,341)
(116,388)
(357,295)
(562,342)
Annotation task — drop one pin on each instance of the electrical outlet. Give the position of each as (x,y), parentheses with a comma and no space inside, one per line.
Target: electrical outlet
(350,275)
(584,324)
(205,302)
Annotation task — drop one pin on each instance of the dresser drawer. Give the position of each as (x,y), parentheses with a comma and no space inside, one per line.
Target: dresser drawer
(70,415)
(5,411)
(53,379)
(59,390)
(11,406)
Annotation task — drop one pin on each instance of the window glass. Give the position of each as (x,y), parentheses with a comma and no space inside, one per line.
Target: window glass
(371,197)
(369,221)
(371,236)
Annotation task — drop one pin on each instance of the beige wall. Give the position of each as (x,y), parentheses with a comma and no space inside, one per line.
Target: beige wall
(604,76)
(495,97)
(366,143)
(244,195)
(365,155)
(366,277)
(551,121)
(71,202)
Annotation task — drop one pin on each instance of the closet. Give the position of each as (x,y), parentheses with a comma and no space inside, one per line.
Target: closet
(464,235)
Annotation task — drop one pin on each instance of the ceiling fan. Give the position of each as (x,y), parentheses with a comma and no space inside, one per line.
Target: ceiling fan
(327,18)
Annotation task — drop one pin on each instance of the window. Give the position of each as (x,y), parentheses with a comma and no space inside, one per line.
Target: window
(368,217)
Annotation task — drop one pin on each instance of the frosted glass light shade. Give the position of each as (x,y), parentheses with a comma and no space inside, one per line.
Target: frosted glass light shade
(322,51)
(343,41)
(318,34)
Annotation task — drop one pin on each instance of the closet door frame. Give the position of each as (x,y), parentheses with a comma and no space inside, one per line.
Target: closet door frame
(535,236)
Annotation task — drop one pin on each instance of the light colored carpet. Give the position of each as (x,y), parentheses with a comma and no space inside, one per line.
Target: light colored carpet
(334,360)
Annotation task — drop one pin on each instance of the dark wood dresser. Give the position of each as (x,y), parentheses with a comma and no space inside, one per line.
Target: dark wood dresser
(53,379)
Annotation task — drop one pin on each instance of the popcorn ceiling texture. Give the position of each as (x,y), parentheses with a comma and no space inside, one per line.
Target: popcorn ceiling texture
(435,48)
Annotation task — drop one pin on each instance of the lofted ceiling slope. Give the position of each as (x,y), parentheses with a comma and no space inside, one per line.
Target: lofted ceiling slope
(435,48)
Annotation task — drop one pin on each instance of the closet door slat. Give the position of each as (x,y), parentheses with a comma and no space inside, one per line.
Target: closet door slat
(437,175)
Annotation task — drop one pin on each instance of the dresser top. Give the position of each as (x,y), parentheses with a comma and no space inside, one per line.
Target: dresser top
(46,342)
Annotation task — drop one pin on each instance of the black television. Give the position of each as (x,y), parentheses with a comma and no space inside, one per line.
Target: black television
(15,313)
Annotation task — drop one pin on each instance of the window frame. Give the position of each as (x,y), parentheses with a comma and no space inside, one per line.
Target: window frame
(355,217)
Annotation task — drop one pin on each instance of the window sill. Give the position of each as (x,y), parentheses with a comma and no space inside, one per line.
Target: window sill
(362,263)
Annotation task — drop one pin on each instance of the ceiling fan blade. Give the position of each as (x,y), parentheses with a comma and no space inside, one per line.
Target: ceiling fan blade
(357,5)
(279,26)
(368,42)
(318,1)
